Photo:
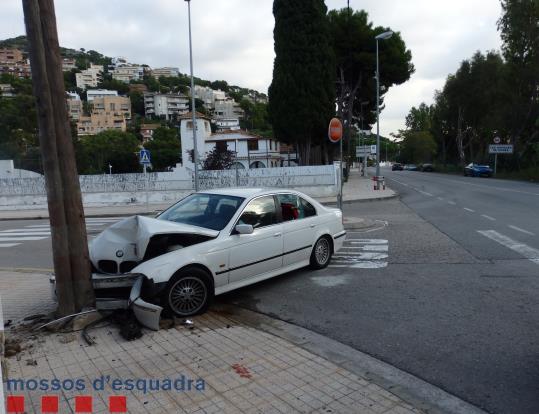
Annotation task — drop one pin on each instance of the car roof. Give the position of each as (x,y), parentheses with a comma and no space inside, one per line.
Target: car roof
(248,192)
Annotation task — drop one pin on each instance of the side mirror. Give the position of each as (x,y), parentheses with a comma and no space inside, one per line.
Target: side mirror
(244,228)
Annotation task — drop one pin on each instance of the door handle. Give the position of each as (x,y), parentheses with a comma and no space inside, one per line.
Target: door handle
(312,226)
(277,235)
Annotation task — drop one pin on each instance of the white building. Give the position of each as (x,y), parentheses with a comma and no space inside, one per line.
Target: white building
(91,94)
(227,124)
(165,106)
(209,96)
(127,73)
(252,151)
(8,170)
(167,72)
(90,77)
(228,109)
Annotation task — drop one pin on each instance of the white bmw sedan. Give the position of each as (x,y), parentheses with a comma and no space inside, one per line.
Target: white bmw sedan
(209,243)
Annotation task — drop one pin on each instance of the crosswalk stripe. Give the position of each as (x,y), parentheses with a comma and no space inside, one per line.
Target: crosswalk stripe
(367,241)
(523,249)
(9,239)
(25,233)
(9,244)
(362,256)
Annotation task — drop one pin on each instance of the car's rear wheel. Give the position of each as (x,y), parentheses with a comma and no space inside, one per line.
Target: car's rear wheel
(321,254)
(188,293)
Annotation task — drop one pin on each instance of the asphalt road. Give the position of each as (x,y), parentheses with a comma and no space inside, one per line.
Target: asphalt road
(454,307)
(427,293)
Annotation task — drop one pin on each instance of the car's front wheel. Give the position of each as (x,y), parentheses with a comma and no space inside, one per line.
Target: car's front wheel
(188,293)
(321,254)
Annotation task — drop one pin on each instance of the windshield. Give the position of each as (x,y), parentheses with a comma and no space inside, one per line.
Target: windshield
(211,211)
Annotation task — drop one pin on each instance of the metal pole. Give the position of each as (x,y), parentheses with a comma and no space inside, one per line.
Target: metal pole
(361,143)
(342,175)
(377,112)
(193,110)
(495,162)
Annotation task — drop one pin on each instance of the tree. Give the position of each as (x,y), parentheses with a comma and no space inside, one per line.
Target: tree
(420,119)
(302,92)
(417,146)
(354,45)
(165,148)
(219,158)
(116,148)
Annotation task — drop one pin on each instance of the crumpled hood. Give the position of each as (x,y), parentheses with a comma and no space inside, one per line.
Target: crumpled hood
(128,239)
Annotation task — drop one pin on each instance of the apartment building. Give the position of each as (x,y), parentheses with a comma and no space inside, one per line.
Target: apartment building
(127,73)
(98,122)
(165,106)
(146,131)
(11,55)
(75,107)
(228,109)
(89,78)
(209,96)
(112,106)
(68,64)
(91,94)
(167,72)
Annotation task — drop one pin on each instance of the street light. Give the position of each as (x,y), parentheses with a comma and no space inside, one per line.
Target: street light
(193,111)
(362,141)
(381,36)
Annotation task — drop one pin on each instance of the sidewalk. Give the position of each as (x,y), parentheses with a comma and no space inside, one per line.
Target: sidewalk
(357,188)
(237,367)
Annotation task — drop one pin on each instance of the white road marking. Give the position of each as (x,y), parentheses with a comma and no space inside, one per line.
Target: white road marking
(452,203)
(488,217)
(9,244)
(469,209)
(330,281)
(25,233)
(10,239)
(440,198)
(521,230)
(425,193)
(523,249)
(362,265)
(367,241)
(361,256)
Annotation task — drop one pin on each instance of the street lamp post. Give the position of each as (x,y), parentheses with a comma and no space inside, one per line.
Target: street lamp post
(193,110)
(363,164)
(381,36)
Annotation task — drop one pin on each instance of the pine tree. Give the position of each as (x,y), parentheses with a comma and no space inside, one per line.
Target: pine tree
(302,93)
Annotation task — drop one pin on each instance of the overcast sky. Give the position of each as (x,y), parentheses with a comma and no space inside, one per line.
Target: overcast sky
(233,39)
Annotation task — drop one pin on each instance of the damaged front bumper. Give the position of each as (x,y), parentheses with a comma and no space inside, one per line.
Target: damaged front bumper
(124,292)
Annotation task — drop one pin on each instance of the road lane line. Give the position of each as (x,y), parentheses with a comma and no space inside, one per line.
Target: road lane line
(521,230)
(488,217)
(452,203)
(440,198)
(10,239)
(9,244)
(469,209)
(523,249)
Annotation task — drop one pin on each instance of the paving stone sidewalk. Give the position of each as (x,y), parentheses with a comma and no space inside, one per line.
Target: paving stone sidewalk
(242,369)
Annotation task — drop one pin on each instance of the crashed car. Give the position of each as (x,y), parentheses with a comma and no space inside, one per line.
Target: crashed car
(209,243)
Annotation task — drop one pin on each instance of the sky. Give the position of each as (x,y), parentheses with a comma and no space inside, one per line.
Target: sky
(233,39)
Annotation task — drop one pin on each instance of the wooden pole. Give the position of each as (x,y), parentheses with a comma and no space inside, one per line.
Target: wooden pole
(73,208)
(47,141)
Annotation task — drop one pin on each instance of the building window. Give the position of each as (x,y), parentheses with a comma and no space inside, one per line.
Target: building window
(252,145)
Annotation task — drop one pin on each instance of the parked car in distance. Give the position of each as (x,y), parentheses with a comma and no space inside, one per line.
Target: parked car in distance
(209,243)
(411,167)
(477,170)
(396,167)
(427,167)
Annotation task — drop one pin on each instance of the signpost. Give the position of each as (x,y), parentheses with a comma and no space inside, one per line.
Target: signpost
(335,135)
(144,158)
(499,149)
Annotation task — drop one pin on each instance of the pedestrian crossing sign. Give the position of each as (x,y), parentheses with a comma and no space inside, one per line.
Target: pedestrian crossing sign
(144,157)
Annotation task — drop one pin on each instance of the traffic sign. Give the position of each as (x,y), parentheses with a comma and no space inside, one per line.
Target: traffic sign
(497,140)
(144,157)
(335,130)
(500,149)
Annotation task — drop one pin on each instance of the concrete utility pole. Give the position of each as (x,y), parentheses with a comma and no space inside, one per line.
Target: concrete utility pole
(68,231)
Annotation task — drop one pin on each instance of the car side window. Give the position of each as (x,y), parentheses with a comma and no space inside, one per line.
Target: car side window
(307,209)
(260,212)
(290,208)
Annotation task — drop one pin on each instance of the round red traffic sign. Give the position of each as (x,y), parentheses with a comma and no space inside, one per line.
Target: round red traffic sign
(335,130)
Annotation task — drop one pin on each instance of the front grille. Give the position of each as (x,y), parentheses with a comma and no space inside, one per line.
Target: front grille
(108,266)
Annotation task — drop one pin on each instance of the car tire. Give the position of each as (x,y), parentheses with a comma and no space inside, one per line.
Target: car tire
(189,292)
(322,252)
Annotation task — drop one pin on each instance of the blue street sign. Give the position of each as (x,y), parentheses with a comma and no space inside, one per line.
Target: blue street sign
(144,157)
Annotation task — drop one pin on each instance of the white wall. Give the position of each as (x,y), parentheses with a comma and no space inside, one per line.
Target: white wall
(123,189)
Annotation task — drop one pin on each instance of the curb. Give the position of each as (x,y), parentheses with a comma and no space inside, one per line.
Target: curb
(3,368)
(408,387)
